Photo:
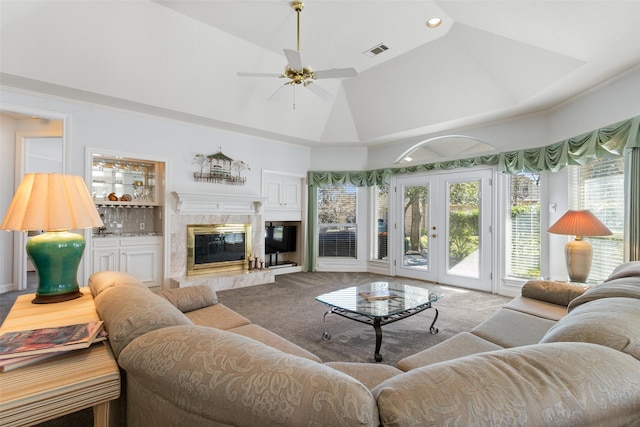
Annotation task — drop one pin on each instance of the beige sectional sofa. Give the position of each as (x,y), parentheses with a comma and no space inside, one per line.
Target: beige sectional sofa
(556,355)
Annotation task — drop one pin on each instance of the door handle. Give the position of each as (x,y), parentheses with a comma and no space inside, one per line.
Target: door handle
(434,235)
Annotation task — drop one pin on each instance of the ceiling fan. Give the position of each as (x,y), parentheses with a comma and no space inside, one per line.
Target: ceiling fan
(301,75)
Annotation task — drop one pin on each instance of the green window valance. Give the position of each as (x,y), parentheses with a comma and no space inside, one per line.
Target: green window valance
(613,140)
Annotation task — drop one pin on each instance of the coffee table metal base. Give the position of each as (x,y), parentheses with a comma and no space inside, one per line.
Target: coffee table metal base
(377,322)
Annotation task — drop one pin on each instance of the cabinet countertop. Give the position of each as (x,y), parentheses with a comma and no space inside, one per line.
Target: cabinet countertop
(113,235)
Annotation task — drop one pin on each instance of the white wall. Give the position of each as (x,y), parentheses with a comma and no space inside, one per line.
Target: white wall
(334,159)
(117,130)
(615,101)
(7,187)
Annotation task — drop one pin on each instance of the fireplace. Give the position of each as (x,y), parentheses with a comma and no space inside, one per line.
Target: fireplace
(217,247)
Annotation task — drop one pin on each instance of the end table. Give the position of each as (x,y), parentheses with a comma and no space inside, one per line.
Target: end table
(67,383)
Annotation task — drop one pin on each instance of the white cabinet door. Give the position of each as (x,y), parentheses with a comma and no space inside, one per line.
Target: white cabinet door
(104,259)
(138,256)
(283,195)
(141,262)
(272,193)
(291,194)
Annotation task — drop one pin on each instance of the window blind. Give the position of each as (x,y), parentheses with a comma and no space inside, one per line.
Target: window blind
(599,187)
(337,226)
(523,258)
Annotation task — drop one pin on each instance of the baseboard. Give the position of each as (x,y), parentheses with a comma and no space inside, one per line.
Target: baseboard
(7,287)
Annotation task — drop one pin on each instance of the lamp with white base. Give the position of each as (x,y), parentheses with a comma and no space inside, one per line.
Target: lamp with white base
(578,253)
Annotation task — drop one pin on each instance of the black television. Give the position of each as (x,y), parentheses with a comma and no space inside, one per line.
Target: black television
(280,238)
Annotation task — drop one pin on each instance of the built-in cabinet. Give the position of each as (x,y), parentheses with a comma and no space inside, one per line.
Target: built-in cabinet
(283,195)
(139,256)
(123,180)
(284,205)
(128,193)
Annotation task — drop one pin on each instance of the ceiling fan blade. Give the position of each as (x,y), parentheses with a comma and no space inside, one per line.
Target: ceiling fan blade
(293,58)
(279,93)
(259,75)
(335,73)
(318,90)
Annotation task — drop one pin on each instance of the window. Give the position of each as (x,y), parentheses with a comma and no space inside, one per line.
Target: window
(337,234)
(523,227)
(381,209)
(599,187)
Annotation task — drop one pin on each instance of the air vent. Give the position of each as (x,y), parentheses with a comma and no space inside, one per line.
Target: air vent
(376,50)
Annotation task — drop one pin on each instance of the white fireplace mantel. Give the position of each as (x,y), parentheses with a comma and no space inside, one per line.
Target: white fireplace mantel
(218,203)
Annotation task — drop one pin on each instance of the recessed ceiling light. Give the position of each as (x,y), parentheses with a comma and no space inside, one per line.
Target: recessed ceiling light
(407,159)
(434,22)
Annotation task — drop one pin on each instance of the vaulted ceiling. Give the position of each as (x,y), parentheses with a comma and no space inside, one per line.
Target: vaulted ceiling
(488,60)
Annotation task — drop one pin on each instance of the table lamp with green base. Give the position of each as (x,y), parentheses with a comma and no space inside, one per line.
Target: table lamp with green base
(54,203)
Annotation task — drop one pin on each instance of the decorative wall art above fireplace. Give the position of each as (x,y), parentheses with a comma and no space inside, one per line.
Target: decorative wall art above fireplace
(220,169)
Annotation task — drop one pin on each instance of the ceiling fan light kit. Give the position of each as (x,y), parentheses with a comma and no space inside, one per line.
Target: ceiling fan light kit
(301,75)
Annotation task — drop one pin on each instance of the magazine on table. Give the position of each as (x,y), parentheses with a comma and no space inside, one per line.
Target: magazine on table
(48,340)
(17,362)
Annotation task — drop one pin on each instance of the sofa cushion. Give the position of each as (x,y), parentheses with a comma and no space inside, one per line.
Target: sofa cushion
(627,269)
(625,287)
(217,316)
(510,328)
(612,322)
(536,307)
(104,280)
(462,344)
(571,384)
(369,374)
(129,312)
(267,337)
(193,375)
(190,298)
(559,293)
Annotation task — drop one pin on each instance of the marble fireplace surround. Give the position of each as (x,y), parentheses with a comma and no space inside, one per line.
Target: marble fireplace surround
(216,209)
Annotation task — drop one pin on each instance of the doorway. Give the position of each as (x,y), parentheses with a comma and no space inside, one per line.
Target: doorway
(37,140)
(445,224)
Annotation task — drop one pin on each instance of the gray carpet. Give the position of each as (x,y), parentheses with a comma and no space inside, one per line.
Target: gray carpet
(288,308)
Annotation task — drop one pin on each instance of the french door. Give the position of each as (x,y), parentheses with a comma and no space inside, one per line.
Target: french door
(443,228)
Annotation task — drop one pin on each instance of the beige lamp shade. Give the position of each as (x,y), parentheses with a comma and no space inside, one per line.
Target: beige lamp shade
(54,203)
(578,253)
(51,202)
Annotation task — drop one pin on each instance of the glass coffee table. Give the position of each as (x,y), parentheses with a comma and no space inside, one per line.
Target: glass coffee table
(378,304)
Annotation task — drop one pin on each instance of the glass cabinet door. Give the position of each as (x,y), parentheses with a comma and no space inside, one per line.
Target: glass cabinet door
(123,180)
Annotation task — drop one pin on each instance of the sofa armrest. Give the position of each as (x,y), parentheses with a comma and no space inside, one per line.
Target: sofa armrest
(195,375)
(541,384)
(559,293)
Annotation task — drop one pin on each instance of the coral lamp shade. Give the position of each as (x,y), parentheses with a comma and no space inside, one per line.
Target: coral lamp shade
(579,223)
(51,202)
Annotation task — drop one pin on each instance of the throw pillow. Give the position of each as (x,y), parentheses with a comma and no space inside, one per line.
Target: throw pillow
(559,293)
(190,298)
